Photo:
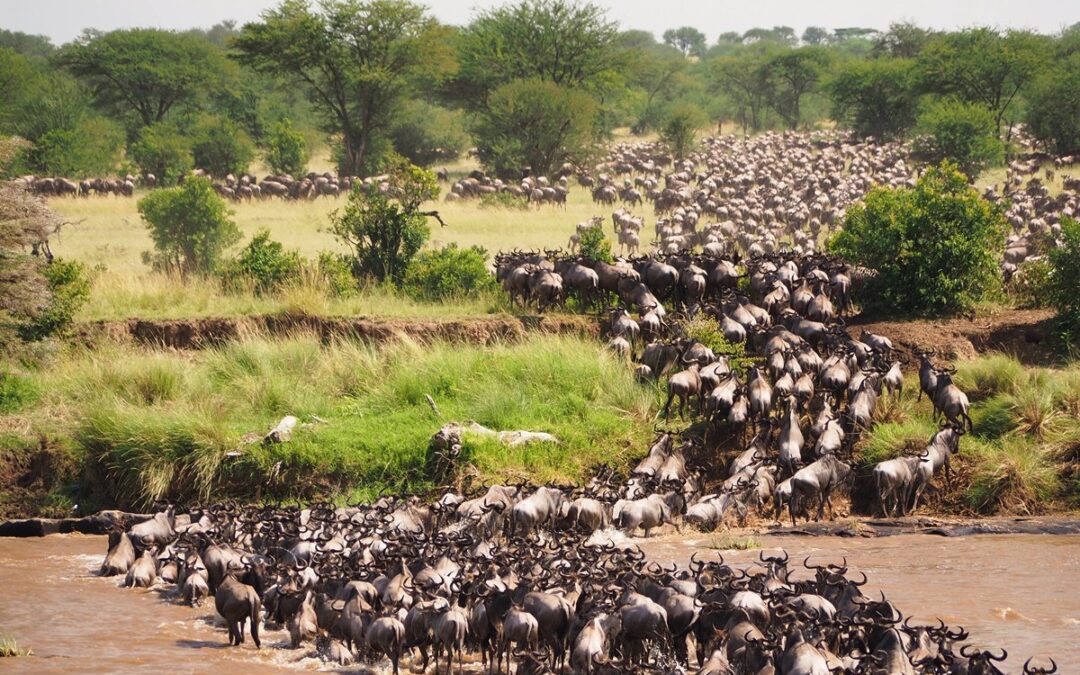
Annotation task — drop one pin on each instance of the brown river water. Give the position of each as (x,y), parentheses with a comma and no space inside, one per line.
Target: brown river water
(1014,591)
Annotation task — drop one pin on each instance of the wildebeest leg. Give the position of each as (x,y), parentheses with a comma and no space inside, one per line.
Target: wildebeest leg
(667,406)
(240,630)
(255,628)
(792,502)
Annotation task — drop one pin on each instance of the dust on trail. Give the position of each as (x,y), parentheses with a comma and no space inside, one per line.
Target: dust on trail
(1015,591)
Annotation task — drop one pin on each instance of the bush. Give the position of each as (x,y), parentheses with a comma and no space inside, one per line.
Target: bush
(706,330)
(286,150)
(449,272)
(965,133)
(535,124)
(90,148)
(1053,111)
(221,147)
(680,126)
(875,97)
(190,227)
(387,230)
(1065,279)
(594,245)
(1030,282)
(164,152)
(502,199)
(934,247)
(69,289)
(425,133)
(334,271)
(265,264)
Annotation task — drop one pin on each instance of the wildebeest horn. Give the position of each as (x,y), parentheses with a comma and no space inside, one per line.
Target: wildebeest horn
(1040,671)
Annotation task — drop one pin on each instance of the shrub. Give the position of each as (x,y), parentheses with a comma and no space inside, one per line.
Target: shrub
(594,245)
(965,133)
(69,289)
(265,263)
(164,152)
(1028,286)
(502,200)
(190,227)
(537,124)
(706,330)
(221,147)
(387,229)
(90,148)
(933,247)
(286,150)
(336,273)
(1065,279)
(680,126)
(448,272)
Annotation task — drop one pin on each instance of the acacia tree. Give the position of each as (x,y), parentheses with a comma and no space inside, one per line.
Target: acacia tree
(794,74)
(688,40)
(143,70)
(876,97)
(568,43)
(745,79)
(354,58)
(983,66)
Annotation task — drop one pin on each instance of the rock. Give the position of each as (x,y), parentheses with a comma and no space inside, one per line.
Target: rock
(282,433)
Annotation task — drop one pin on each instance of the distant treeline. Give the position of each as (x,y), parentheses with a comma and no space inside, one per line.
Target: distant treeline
(533,84)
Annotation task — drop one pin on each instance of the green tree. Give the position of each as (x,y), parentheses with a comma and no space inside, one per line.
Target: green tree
(745,78)
(875,97)
(220,146)
(934,247)
(386,229)
(688,40)
(816,35)
(144,71)
(34,46)
(265,264)
(286,150)
(659,72)
(983,66)
(903,40)
(1053,111)
(424,133)
(564,42)
(190,225)
(90,148)
(1065,278)
(355,60)
(537,124)
(794,74)
(680,128)
(163,151)
(965,133)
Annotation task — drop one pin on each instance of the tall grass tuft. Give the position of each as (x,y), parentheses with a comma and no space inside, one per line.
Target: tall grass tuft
(1012,475)
(990,375)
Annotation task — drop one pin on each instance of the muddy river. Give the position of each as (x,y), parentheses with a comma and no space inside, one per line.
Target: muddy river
(1014,591)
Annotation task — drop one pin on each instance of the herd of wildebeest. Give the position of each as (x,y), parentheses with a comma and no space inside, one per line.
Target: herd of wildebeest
(544,579)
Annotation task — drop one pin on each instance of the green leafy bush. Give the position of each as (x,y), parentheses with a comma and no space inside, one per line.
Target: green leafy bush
(1053,110)
(265,264)
(680,127)
(221,147)
(336,273)
(190,226)
(706,330)
(1028,286)
(502,200)
(164,152)
(933,247)
(1065,279)
(449,272)
(286,150)
(69,288)
(594,245)
(965,133)
(386,230)
(426,133)
(91,147)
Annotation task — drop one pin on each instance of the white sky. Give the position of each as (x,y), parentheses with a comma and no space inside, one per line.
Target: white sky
(62,20)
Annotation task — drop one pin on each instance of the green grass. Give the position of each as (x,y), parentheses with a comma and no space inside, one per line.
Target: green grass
(1025,447)
(164,424)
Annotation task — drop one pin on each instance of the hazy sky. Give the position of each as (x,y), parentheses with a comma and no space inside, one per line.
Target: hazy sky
(63,20)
